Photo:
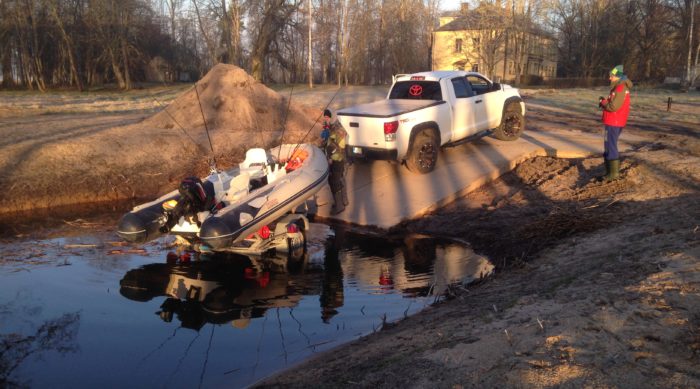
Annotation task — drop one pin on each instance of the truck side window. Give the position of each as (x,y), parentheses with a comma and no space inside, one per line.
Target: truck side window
(479,85)
(462,88)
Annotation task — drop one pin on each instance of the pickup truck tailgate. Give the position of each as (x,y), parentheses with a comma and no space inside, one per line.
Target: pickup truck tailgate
(365,123)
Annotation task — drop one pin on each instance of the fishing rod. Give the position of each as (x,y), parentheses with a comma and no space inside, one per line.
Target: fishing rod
(165,109)
(284,123)
(316,121)
(257,121)
(212,166)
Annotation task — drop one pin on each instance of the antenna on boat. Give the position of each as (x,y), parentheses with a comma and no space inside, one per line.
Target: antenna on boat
(284,123)
(313,125)
(212,165)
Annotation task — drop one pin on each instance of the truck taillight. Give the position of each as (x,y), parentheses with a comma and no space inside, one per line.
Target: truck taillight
(390,129)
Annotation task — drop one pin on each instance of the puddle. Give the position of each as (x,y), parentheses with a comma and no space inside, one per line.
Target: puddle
(88,314)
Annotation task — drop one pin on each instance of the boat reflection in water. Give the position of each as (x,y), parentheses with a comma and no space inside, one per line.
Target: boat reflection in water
(237,288)
(222,289)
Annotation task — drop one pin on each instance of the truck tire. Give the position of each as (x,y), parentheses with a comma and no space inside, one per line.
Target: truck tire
(423,155)
(512,123)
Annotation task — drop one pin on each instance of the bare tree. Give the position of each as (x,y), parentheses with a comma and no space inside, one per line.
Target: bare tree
(6,46)
(687,79)
(310,63)
(68,43)
(208,33)
(270,17)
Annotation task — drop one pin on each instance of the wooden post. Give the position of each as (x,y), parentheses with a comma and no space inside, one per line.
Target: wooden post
(668,107)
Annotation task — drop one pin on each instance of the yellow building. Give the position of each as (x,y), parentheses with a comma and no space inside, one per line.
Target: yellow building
(486,40)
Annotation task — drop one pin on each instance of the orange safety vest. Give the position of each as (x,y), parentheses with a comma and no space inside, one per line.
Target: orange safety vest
(619,117)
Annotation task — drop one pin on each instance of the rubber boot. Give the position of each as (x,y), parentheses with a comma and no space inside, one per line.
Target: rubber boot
(614,170)
(607,172)
(338,206)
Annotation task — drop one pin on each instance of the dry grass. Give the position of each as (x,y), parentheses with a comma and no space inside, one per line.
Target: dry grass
(150,99)
(648,104)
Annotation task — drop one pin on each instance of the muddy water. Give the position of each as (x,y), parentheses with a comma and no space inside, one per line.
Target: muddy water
(84,312)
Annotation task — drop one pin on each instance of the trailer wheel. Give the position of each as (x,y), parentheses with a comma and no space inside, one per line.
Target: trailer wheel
(512,123)
(423,155)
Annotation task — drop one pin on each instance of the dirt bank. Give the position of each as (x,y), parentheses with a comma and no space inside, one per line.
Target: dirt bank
(62,160)
(598,284)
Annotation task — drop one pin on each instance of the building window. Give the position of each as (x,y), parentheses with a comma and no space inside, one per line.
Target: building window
(476,42)
(475,67)
(458,45)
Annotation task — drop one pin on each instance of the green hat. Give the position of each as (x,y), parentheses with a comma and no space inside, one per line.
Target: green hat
(617,71)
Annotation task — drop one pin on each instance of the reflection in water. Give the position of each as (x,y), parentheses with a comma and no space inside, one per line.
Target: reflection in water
(235,289)
(263,313)
(220,289)
(332,291)
(53,335)
(416,266)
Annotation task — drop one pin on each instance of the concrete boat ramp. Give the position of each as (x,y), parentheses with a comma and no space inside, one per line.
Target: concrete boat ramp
(382,194)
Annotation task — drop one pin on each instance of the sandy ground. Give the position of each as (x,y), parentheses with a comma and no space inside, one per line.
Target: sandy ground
(597,284)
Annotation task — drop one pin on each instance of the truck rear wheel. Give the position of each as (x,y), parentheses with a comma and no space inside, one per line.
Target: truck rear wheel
(423,155)
(512,123)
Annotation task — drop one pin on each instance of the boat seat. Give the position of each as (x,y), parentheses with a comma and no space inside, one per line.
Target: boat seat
(238,187)
(254,157)
(220,181)
(255,163)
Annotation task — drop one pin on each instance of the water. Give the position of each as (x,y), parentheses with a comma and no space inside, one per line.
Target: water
(86,314)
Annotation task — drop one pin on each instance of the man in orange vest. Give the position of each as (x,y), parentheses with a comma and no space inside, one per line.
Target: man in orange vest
(616,110)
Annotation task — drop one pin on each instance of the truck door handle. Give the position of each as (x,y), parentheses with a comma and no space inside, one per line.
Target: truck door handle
(478,101)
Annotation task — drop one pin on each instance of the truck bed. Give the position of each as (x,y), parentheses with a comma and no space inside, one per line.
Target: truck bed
(388,108)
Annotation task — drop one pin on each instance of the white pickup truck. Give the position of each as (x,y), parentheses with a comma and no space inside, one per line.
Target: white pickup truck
(424,111)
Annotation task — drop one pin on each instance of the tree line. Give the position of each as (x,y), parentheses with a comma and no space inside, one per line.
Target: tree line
(85,43)
(653,38)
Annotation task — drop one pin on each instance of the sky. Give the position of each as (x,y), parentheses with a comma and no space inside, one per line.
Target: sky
(451,5)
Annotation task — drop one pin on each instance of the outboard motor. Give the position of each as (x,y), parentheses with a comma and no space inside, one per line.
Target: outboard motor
(149,222)
(195,196)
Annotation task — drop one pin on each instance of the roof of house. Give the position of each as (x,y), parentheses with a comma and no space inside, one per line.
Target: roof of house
(470,21)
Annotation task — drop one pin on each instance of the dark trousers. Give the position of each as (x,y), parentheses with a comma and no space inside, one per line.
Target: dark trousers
(612,134)
(336,178)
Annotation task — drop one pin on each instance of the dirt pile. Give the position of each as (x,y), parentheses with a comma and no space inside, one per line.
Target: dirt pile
(61,165)
(240,113)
